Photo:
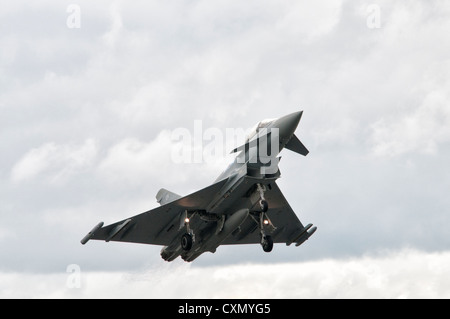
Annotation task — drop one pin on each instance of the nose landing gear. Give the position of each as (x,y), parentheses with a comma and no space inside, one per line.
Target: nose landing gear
(263,204)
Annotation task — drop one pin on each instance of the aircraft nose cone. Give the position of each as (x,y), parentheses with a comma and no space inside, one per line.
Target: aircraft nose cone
(287,125)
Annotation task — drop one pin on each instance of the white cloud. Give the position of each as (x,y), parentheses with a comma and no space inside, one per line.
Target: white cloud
(179,158)
(423,129)
(405,79)
(112,36)
(97,97)
(5,233)
(134,161)
(55,162)
(307,20)
(404,274)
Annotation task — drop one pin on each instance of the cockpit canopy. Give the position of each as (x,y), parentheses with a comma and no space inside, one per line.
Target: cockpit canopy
(255,129)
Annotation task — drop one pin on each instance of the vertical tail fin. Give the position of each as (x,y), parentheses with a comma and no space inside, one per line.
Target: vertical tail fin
(164,196)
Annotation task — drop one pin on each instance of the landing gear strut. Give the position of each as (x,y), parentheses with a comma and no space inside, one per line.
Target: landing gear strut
(266,240)
(263,204)
(187,239)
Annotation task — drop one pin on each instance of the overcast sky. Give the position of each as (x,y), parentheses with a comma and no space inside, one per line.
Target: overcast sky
(90,94)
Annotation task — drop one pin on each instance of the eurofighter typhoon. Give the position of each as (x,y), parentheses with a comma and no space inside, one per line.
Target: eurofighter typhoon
(243,206)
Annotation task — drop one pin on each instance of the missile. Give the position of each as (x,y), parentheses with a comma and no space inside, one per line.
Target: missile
(231,223)
(305,236)
(211,243)
(297,236)
(91,233)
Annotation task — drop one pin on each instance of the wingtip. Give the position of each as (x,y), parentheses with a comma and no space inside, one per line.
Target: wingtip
(91,233)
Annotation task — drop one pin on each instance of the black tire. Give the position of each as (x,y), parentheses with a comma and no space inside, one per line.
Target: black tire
(267,244)
(264,205)
(186,242)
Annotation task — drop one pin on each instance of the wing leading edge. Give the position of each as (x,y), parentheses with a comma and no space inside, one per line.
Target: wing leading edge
(285,227)
(157,226)
(162,225)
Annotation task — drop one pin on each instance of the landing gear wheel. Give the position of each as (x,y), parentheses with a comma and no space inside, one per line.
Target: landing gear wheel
(186,242)
(264,205)
(267,244)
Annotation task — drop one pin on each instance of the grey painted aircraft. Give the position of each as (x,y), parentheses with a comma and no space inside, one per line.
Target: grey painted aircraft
(243,206)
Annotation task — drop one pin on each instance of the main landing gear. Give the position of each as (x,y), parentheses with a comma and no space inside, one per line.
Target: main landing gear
(266,240)
(187,239)
(267,244)
(186,242)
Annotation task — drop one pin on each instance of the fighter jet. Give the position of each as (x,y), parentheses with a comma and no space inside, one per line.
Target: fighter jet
(243,206)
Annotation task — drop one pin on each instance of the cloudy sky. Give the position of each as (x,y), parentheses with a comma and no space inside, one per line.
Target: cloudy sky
(89,97)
